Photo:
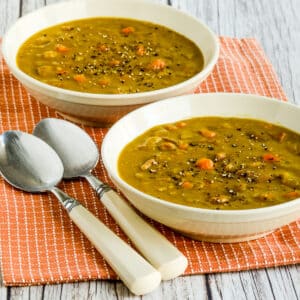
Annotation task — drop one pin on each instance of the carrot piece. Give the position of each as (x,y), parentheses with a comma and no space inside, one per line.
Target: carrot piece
(157,64)
(127,30)
(114,62)
(104,82)
(269,157)
(80,78)
(183,146)
(205,164)
(207,133)
(180,124)
(292,195)
(102,47)
(140,50)
(187,185)
(171,127)
(61,48)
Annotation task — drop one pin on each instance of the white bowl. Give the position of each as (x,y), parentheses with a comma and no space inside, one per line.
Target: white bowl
(198,223)
(99,109)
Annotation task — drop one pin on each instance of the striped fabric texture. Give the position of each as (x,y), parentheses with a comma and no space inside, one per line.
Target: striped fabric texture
(38,242)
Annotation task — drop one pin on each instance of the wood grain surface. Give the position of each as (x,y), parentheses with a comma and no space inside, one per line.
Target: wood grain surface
(276,25)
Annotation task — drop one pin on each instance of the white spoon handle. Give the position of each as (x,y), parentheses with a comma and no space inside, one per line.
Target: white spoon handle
(166,258)
(136,273)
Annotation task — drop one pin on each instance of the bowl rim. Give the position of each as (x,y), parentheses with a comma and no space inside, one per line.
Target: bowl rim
(82,97)
(238,212)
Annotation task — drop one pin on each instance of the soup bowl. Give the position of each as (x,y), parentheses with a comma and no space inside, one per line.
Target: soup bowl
(104,109)
(199,223)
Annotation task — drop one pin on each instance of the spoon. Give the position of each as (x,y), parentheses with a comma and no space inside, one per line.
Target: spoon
(29,164)
(79,155)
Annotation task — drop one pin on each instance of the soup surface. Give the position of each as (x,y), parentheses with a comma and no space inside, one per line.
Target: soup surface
(110,56)
(215,163)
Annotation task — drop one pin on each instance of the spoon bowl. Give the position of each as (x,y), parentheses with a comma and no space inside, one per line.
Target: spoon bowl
(28,163)
(75,148)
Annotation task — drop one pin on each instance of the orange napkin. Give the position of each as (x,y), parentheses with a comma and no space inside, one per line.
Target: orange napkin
(38,242)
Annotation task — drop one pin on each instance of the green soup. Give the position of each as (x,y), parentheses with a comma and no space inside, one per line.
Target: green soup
(110,56)
(215,163)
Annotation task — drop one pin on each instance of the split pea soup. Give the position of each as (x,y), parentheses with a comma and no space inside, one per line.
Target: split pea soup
(215,163)
(110,56)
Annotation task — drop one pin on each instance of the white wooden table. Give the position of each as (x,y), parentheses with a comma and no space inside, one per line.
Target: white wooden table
(276,24)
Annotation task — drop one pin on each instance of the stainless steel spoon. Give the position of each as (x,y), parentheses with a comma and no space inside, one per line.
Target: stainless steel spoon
(80,155)
(28,163)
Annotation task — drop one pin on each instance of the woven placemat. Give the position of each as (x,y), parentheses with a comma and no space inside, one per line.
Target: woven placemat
(38,242)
